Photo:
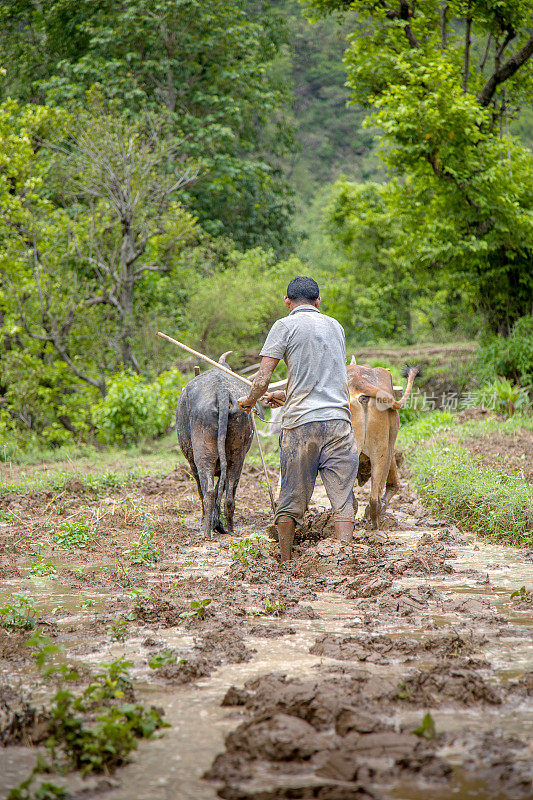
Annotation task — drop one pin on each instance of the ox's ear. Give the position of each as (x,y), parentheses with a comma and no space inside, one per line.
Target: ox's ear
(353,361)
(222,359)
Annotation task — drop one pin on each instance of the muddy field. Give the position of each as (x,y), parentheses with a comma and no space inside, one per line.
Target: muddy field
(396,667)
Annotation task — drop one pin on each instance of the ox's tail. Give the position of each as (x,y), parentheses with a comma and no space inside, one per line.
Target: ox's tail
(223,414)
(410,373)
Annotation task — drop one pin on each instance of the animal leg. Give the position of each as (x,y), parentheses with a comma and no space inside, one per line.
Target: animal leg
(217,524)
(207,483)
(380,469)
(234,476)
(392,485)
(198,485)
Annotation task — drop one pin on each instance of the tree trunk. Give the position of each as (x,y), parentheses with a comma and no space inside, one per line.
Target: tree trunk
(444,26)
(128,256)
(468,41)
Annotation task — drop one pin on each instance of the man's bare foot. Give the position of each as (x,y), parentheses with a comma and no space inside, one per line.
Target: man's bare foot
(344,530)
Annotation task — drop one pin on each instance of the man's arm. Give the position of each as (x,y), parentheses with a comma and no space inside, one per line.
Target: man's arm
(259,383)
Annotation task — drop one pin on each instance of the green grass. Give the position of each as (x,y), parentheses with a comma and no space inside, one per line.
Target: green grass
(437,422)
(57,480)
(477,428)
(98,471)
(455,483)
(423,429)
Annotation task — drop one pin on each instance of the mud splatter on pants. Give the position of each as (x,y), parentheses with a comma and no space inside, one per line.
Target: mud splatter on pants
(327,447)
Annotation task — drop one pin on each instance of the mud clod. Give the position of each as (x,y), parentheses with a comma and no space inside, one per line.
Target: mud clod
(20,722)
(380,649)
(445,683)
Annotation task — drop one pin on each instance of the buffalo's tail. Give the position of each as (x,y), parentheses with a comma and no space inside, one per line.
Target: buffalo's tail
(223,414)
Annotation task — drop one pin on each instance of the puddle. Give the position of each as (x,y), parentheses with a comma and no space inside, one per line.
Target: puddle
(199,725)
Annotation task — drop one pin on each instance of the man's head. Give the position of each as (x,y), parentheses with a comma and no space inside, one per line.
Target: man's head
(302,291)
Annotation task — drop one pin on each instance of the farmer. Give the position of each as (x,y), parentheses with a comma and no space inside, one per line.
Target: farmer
(316,431)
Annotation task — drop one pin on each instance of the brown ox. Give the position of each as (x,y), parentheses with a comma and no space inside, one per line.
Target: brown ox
(376,421)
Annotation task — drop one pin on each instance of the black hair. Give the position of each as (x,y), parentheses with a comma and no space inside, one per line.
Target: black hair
(302,288)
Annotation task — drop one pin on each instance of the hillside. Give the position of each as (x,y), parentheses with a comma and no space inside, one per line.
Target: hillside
(330,136)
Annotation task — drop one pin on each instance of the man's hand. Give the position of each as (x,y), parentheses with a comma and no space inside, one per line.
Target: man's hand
(245,404)
(259,384)
(274,399)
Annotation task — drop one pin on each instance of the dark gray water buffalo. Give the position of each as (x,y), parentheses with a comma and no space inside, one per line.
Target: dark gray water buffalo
(214,435)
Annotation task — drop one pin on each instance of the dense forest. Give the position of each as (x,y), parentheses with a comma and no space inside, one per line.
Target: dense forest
(170,166)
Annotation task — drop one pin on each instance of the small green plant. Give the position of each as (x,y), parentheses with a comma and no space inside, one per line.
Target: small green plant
(78,533)
(87,604)
(141,597)
(426,729)
(275,608)
(522,595)
(198,610)
(113,682)
(107,744)
(121,575)
(41,568)
(47,655)
(162,659)
(248,547)
(46,791)
(18,611)
(143,551)
(403,693)
(115,725)
(118,630)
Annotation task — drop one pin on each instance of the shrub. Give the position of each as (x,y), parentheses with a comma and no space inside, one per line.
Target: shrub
(511,356)
(503,396)
(134,409)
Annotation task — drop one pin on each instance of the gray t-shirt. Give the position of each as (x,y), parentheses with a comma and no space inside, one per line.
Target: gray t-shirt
(312,346)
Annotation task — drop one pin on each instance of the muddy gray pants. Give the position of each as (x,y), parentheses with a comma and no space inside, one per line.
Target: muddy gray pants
(326,447)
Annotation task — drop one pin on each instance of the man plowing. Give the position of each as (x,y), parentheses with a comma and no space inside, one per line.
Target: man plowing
(316,431)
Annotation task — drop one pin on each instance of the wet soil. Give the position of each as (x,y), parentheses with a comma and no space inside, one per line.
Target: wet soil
(310,680)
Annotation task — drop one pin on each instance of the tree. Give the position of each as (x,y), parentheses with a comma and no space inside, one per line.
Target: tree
(252,286)
(372,290)
(207,65)
(442,80)
(328,131)
(72,273)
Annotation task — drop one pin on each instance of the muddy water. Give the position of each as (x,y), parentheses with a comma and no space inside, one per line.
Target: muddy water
(171,767)
(199,725)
